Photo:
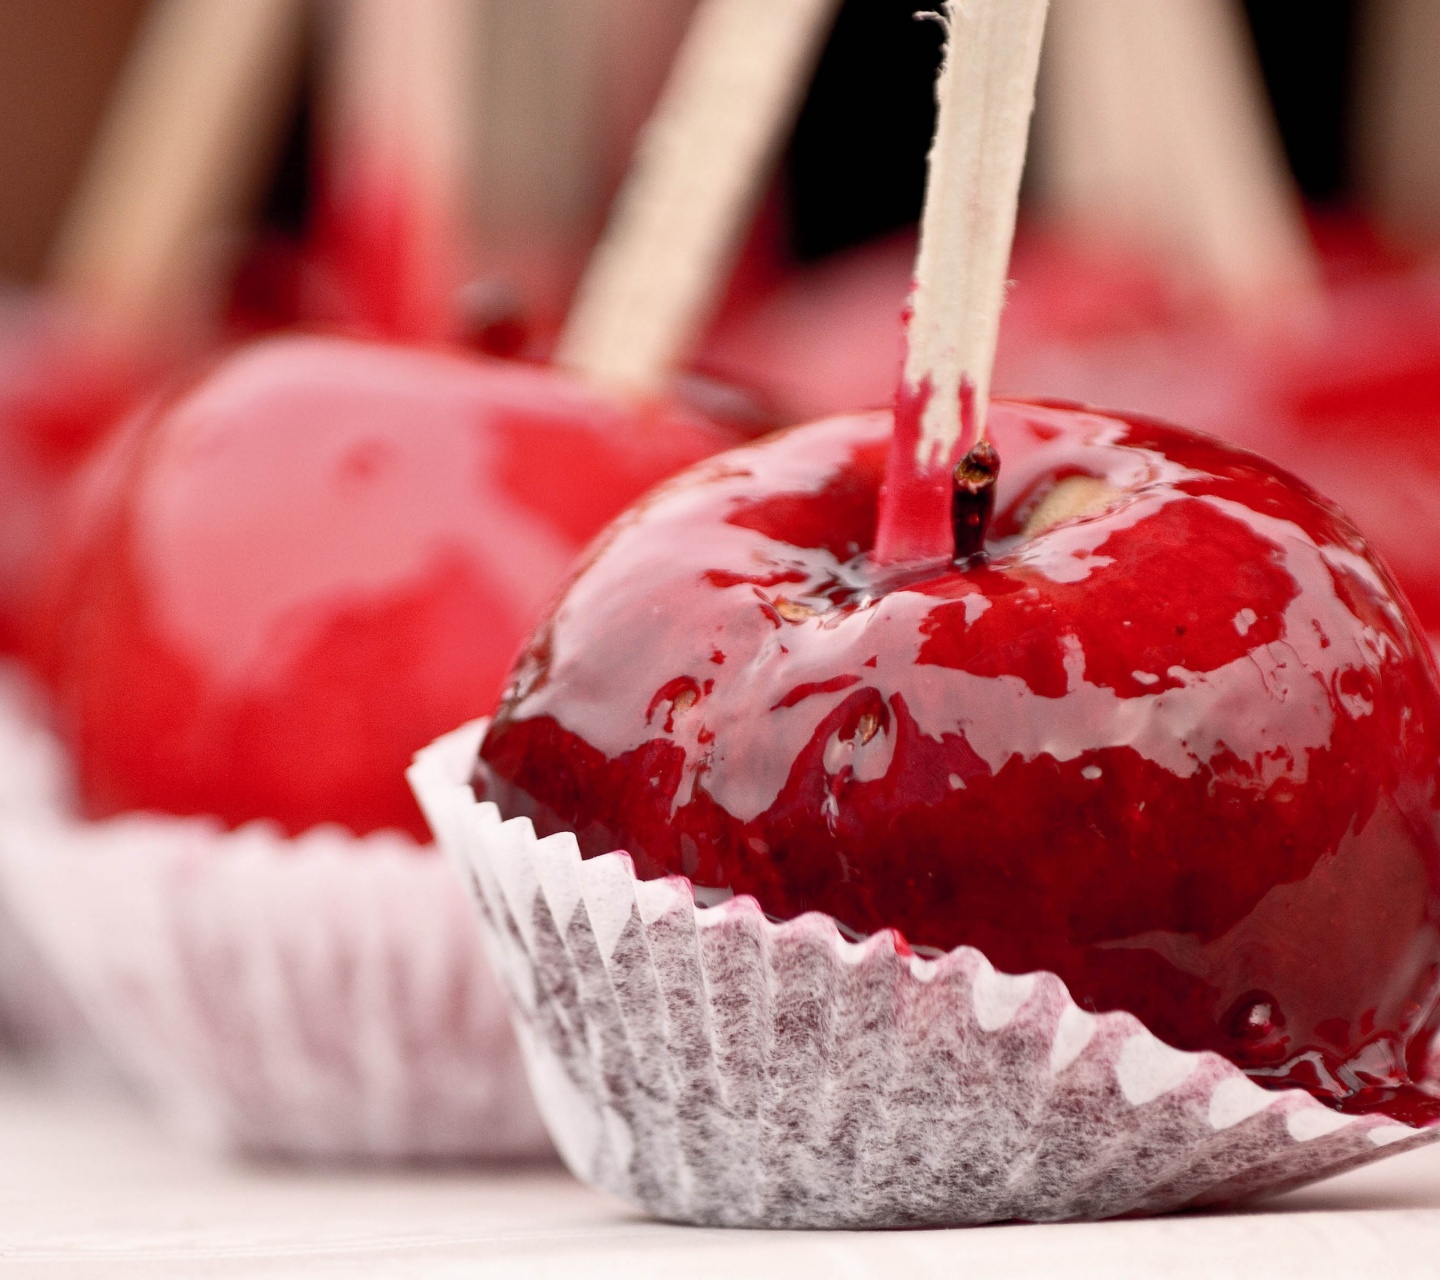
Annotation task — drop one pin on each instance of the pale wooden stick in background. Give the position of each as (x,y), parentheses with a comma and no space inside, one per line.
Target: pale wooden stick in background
(637,43)
(698,172)
(178,160)
(404,85)
(59,64)
(551,103)
(537,168)
(1154,126)
(1091,144)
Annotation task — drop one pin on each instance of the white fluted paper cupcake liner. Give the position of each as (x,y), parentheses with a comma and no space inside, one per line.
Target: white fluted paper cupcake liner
(715,1067)
(322,996)
(37,1016)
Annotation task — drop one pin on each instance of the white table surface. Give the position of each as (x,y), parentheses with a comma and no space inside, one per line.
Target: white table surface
(89,1187)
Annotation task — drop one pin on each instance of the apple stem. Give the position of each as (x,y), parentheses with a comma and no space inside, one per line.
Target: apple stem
(986,94)
(182,147)
(1154,127)
(972,499)
(652,283)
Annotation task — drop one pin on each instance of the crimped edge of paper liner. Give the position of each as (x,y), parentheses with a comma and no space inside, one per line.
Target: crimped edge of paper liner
(577,944)
(322,996)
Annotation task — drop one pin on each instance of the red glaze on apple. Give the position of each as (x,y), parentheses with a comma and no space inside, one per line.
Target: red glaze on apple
(317,558)
(1356,411)
(1345,394)
(1177,742)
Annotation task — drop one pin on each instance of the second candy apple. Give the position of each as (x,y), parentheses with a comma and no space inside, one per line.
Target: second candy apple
(281,583)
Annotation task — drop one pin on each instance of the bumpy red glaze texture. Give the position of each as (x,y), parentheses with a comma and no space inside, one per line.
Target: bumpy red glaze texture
(317,558)
(1182,752)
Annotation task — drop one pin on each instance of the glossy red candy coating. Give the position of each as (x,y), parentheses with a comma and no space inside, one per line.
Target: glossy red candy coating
(1182,753)
(1356,412)
(317,558)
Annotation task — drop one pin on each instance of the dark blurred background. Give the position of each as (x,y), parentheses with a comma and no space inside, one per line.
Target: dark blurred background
(856,166)
(854,169)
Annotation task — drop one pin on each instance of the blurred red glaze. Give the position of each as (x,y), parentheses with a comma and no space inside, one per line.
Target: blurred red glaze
(317,558)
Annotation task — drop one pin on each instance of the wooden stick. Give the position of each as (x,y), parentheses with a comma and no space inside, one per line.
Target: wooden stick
(987,92)
(403,98)
(1398,117)
(178,158)
(638,42)
(541,98)
(1155,124)
(697,175)
(986,95)
(1092,144)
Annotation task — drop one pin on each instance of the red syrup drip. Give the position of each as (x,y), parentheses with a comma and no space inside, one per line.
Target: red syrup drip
(392,255)
(1180,752)
(914,522)
(969,428)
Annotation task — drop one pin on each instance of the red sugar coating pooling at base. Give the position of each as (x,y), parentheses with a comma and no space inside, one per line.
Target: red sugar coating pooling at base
(1180,751)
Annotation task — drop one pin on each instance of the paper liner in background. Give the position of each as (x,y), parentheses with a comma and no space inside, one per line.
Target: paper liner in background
(715,1067)
(324,996)
(37,1017)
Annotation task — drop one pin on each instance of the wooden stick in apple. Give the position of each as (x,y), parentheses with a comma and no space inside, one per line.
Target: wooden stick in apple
(177,160)
(1153,124)
(402,95)
(652,282)
(986,95)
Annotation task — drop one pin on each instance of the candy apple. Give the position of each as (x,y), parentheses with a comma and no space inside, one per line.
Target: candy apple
(280,584)
(1165,728)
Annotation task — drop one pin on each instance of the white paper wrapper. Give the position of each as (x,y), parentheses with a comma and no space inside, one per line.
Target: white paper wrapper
(37,1016)
(715,1067)
(325,996)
